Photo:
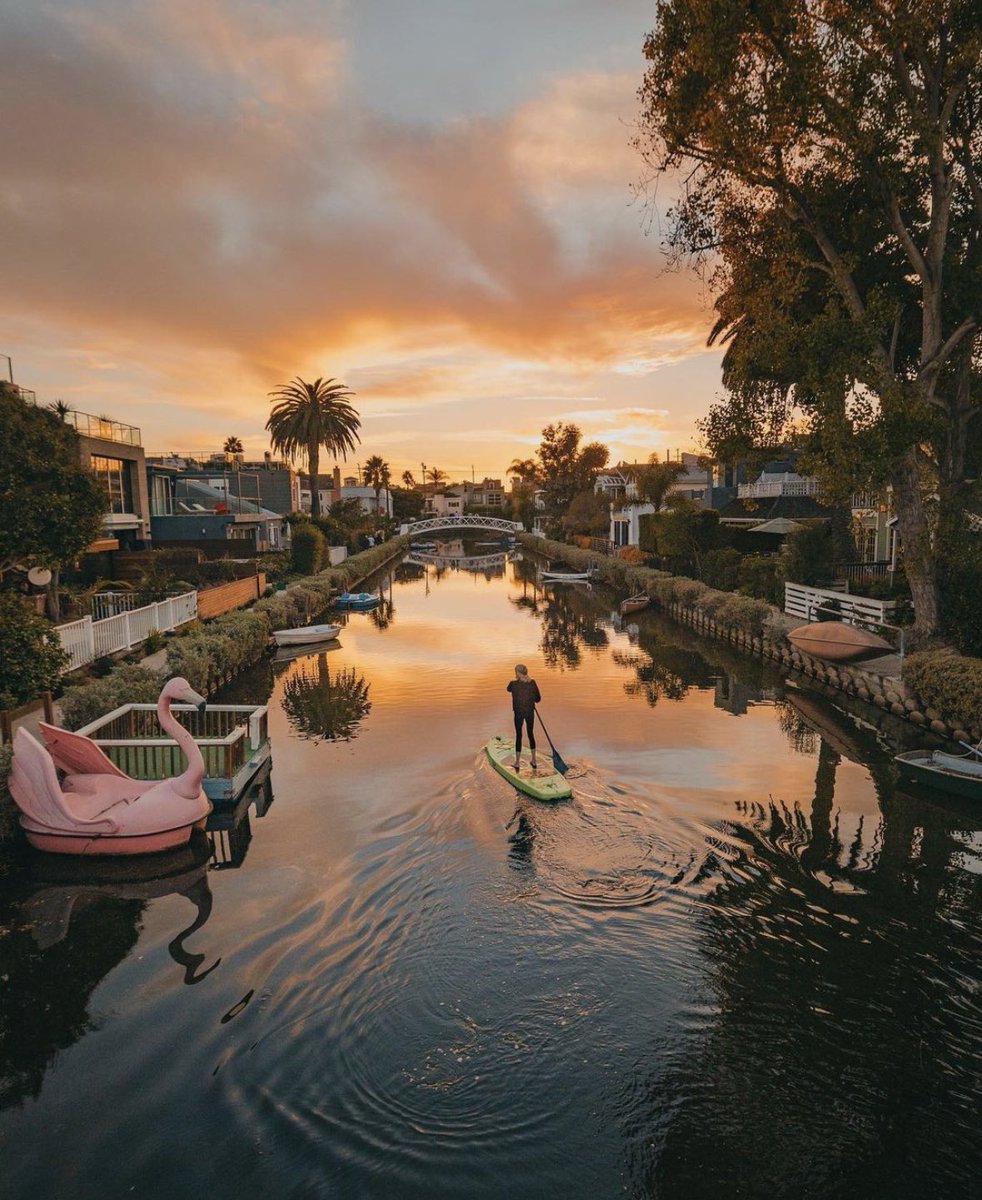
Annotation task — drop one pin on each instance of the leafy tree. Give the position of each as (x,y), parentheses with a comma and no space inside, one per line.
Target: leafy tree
(307,546)
(566,467)
(308,416)
(31,657)
(407,504)
(588,513)
(831,153)
(51,508)
(682,536)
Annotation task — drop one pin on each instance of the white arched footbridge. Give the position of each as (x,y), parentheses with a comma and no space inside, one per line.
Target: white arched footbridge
(484,524)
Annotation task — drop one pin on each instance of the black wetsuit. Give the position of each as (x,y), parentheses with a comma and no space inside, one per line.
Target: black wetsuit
(524,697)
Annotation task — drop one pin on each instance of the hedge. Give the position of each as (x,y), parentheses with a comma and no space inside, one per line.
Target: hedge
(128,683)
(951,684)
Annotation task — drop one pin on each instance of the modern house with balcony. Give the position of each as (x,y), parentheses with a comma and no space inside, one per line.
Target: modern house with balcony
(200,510)
(703,484)
(113,451)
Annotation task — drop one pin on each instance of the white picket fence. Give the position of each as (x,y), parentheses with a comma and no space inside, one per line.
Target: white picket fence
(86,640)
(806,602)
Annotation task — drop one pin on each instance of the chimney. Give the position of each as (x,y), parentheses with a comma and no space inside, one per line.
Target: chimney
(337,478)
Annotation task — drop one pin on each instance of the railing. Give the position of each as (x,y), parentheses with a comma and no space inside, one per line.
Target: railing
(431,524)
(103,427)
(805,602)
(856,571)
(227,734)
(86,640)
(785,487)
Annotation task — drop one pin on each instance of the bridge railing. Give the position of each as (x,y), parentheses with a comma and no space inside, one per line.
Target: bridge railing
(465,521)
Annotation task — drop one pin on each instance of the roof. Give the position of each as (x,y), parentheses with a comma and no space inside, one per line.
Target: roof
(769,508)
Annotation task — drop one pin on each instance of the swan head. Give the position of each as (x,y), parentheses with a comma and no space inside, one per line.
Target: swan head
(179,689)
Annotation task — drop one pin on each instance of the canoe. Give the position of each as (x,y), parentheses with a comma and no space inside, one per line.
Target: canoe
(837,641)
(635,603)
(305,635)
(949,773)
(544,783)
(566,576)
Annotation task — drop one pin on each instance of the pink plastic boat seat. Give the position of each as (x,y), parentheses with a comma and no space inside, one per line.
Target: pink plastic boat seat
(92,795)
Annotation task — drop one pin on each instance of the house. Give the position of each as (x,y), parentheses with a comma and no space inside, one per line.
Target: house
(701,483)
(333,488)
(448,503)
(199,509)
(274,485)
(487,494)
(112,450)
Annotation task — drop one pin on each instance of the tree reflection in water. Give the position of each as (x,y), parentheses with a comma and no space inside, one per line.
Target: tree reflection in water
(321,706)
(798,1081)
(663,669)
(570,619)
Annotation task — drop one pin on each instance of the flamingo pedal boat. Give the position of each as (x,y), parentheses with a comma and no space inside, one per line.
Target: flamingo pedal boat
(98,809)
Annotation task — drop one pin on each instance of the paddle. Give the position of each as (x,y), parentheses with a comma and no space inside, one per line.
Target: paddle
(557,758)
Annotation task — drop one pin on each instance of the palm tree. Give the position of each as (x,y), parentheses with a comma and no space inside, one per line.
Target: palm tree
(376,476)
(525,470)
(436,476)
(308,416)
(61,409)
(233,445)
(657,479)
(408,480)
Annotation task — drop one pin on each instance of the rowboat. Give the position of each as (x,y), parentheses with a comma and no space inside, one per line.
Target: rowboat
(837,641)
(956,774)
(635,603)
(305,635)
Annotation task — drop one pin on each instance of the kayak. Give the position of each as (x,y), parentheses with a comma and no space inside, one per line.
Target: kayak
(544,783)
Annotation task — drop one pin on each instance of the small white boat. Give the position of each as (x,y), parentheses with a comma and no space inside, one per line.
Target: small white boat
(305,635)
(566,576)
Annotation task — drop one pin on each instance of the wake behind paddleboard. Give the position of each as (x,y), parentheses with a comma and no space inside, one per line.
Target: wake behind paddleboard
(543,783)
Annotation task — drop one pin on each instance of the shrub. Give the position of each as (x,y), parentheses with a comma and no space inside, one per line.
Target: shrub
(744,613)
(275,565)
(125,685)
(759,576)
(31,658)
(308,548)
(9,823)
(808,554)
(153,642)
(721,568)
(631,554)
(950,683)
(711,603)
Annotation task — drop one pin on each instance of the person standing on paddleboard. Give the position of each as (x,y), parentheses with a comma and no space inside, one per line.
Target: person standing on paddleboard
(524,697)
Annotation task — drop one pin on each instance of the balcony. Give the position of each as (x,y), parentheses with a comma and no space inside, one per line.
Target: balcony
(789,485)
(103,427)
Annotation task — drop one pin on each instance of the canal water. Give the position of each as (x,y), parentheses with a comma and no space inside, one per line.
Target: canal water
(738,962)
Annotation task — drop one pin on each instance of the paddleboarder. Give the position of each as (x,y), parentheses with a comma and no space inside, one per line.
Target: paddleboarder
(524,697)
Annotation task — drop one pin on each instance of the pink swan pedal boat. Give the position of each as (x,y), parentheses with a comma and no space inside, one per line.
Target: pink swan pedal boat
(97,808)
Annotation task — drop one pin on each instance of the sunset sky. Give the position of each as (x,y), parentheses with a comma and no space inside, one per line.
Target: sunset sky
(431,200)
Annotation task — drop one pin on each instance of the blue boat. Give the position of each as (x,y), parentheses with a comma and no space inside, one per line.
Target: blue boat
(357,600)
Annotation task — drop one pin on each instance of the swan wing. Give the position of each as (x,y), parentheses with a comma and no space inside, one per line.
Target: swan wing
(77,755)
(34,786)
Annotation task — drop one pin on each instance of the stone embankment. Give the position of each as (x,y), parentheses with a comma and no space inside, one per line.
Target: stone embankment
(762,629)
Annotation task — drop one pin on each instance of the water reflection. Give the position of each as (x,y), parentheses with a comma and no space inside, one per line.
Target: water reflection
(571,618)
(321,705)
(75,921)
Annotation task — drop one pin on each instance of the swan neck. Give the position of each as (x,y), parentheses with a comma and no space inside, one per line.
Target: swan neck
(190,779)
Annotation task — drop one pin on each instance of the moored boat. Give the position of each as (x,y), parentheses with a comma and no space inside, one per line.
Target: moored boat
(959,775)
(305,634)
(635,603)
(837,641)
(357,600)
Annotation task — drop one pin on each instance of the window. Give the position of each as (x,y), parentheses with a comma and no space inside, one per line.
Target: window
(114,476)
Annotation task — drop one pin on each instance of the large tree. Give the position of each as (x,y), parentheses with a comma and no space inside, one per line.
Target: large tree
(566,467)
(828,152)
(308,416)
(51,508)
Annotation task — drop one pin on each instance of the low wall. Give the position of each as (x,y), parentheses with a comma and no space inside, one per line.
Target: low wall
(226,596)
(886,692)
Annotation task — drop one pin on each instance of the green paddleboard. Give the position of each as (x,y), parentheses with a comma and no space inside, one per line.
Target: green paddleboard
(543,782)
